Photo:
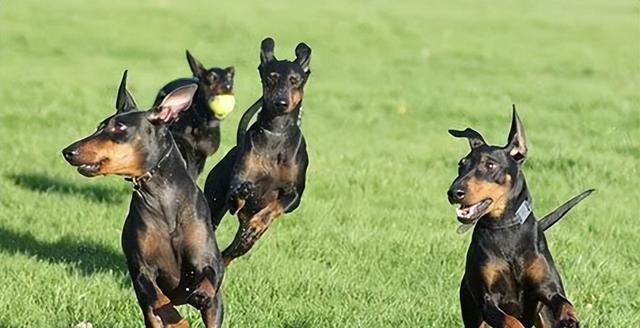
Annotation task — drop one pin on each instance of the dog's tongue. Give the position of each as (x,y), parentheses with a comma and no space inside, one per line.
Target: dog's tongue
(468,211)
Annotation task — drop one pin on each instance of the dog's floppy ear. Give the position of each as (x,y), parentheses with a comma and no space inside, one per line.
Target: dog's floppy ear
(196,66)
(475,139)
(124,100)
(303,56)
(516,143)
(176,102)
(266,51)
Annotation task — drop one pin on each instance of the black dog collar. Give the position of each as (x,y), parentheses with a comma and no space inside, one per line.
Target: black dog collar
(137,181)
(521,215)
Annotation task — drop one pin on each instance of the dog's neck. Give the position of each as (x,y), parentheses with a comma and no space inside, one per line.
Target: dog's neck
(518,210)
(278,124)
(165,185)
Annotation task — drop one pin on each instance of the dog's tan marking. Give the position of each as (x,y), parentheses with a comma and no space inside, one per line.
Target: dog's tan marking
(511,322)
(491,270)
(567,311)
(295,96)
(479,190)
(536,269)
(115,158)
(540,322)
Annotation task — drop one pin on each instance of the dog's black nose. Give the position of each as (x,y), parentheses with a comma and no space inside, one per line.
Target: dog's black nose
(455,195)
(69,153)
(227,87)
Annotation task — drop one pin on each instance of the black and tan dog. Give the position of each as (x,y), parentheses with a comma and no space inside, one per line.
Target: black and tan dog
(510,278)
(197,132)
(264,175)
(168,238)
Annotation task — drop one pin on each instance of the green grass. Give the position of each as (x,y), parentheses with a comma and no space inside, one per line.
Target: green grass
(374,242)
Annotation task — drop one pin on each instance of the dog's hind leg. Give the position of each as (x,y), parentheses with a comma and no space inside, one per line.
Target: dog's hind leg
(216,187)
(291,201)
(213,316)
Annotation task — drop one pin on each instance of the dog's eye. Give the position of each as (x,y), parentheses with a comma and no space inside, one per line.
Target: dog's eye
(212,78)
(293,80)
(273,78)
(490,166)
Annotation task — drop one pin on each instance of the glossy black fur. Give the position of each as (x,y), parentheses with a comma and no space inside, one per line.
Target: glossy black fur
(197,132)
(168,239)
(249,180)
(510,276)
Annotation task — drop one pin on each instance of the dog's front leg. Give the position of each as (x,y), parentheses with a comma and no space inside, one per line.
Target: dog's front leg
(207,297)
(239,192)
(494,316)
(157,308)
(565,313)
(548,287)
(250,230)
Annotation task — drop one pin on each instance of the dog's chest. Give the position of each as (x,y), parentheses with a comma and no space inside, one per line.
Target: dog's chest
(274,156)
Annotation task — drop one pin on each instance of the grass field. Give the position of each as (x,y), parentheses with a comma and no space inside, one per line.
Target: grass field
(373,243)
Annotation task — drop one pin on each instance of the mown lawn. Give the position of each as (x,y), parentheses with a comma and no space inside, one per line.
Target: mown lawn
(374,242)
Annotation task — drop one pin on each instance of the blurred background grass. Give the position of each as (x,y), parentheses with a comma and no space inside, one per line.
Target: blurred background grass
(373,244)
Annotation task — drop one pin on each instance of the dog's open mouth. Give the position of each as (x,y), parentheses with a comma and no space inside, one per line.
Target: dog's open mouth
(90,170)
(469,214)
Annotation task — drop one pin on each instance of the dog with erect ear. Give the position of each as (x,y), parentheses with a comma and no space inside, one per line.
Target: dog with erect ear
(197,132)
(168,239)
(510,278)
(264,176)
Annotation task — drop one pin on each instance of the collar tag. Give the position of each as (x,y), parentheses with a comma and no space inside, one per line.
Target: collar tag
(523,211)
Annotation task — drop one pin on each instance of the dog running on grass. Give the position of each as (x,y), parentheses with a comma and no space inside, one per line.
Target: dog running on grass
(510,279)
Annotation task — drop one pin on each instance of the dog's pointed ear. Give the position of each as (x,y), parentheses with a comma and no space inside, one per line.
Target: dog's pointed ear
(303,56)
(266,51)
(176,102)
(231,70)
(196,66)
(124,100)
(475,139)
(516,143)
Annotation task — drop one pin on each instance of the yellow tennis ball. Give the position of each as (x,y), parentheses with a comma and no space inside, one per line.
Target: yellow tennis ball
(222,105)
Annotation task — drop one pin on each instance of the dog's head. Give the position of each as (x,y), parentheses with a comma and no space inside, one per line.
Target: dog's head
(129,142)
(283,80)
(489,176)
(216,85)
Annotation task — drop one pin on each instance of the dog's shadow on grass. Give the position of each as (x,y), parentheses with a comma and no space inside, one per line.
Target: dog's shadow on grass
(88,257)
(43,183)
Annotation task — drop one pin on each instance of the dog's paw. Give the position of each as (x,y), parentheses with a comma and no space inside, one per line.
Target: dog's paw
(200,300)
(568,323)
(238,196)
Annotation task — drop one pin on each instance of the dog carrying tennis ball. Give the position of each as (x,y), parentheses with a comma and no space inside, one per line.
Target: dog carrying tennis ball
(222,105)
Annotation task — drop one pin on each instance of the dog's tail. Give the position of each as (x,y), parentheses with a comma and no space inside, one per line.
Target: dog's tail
(551,218)
(246,118)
